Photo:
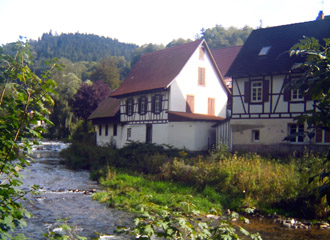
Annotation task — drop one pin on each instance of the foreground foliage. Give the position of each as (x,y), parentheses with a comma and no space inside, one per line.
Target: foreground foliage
(168,210)
(24,100)
(315,82)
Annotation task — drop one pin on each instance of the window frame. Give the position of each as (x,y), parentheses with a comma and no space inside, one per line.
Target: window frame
(296,95)
(255,135)
(114,133)
(129,106)
(157,104)
(201,76)
(258,93)
(143,105)
(322,136)
(100,129)
(129,134)
(294,128)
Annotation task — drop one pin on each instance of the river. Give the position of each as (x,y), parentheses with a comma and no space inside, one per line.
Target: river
(67,194)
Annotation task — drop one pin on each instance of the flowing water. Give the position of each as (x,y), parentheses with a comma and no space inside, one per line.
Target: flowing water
(67,194)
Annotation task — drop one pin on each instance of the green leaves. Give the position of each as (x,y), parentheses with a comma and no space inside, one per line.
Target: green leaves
(315,82)
(24,100)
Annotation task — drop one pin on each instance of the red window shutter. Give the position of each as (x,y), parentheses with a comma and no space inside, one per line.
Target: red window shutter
(265,89)
(201,76)
(190,102)
(247,92)
(318,135)
(327,136)
(211,106)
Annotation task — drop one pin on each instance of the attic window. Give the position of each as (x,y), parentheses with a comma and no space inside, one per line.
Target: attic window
(264,51)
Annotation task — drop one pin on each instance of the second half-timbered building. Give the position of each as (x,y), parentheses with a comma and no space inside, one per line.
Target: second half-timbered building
(263,110)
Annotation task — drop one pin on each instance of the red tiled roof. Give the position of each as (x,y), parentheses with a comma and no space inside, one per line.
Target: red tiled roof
(109,107)
(184,117)
(156,70)
(224,57)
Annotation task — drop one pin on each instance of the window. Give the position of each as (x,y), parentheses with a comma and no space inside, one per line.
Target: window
(255,135)
(201,53)
(297,132)
(129,106)
(129,134)
(190,103)
(157,104)
(149,133)
(115,130)
(256,91)
(322,136)
(201,76)
(296,95)
(106,130)
(264,51)
(211,106)
(100,130)
(143,104)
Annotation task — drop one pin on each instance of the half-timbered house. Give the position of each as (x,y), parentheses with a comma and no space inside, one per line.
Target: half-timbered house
(262,110)
(173,96)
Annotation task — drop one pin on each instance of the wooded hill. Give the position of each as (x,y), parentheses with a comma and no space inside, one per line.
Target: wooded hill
(80,47)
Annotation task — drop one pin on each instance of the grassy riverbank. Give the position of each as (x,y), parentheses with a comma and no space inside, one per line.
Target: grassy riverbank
(165,176)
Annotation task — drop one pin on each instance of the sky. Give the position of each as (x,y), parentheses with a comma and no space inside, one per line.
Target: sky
(147,21)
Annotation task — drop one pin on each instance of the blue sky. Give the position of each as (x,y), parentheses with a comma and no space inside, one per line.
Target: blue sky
(147,21)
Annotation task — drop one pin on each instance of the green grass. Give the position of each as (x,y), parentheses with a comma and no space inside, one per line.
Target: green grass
(129,192)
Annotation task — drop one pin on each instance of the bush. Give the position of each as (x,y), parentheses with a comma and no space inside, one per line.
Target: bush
(88,157)
(233,180)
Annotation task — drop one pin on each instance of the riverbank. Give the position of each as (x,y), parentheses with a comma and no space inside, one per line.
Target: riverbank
(218,180)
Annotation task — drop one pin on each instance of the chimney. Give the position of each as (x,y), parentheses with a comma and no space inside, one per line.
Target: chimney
(320,16)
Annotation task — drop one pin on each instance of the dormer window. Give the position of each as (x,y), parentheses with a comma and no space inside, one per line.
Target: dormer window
(264,51)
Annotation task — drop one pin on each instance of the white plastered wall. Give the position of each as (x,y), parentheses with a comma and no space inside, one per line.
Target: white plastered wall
(186,83)
(272,131)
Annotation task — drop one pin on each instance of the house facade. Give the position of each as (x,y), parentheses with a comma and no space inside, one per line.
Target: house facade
(173,96)
(263,110)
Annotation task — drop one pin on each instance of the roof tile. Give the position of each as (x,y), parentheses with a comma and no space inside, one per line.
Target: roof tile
(157,70)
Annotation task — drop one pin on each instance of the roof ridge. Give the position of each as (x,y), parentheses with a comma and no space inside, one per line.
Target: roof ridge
(226,47)
(290,24)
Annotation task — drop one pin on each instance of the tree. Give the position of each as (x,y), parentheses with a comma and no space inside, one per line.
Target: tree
(108,70)
(315,83)
(88,97)
(176,42)
(147,48)
(24,100)
(68,82)
(219,36)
